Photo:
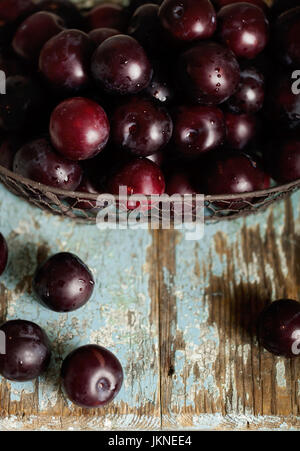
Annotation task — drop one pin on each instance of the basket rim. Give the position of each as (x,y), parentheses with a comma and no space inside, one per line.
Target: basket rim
(208,197)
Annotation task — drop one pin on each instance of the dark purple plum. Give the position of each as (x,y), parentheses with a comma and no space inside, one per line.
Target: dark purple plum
(198,129)
(188,20)
(208,73)
(34,32)
(138,176)
(121,66)
(141,127)
(92,376)
(3,254)
(63,283)
(279,328)
(27,351)
(65,60)
(231,173)
(38,161)
(79,128)
(244,28)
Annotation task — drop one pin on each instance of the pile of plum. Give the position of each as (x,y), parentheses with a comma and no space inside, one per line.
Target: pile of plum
(91,375)
(178,96)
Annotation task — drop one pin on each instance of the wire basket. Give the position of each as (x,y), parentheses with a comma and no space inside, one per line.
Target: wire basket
(68,203)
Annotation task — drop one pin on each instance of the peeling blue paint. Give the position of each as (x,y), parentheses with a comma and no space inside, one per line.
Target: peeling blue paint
(116,260)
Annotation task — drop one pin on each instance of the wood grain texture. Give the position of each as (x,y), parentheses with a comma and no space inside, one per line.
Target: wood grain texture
(214,374)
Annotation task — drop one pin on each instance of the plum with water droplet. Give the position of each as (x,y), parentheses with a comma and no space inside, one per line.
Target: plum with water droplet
(63,283)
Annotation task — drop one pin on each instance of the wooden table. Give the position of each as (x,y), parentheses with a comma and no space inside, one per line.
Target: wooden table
(179,314)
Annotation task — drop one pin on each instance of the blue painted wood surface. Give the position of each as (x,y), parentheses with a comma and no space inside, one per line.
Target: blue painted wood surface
(116,316)
(155,311)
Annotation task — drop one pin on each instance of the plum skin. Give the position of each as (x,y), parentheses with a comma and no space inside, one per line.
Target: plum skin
(92,376)
(28,351)
(278,328)
(198,129)
(64,60)
(121,66)
(34,32)
(38,161)
(188,20)
(244,28)
(63,283)
(79,128)
(141,126)
(140,176)
(208,73)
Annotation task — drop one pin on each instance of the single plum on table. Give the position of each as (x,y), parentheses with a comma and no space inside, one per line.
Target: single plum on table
(63,283)
(279,328)
(92,376)
(27,351)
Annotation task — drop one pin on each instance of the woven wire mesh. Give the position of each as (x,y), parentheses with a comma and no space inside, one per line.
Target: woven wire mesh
(69,203)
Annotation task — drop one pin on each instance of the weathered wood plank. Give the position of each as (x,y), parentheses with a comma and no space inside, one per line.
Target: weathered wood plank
(214,290)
